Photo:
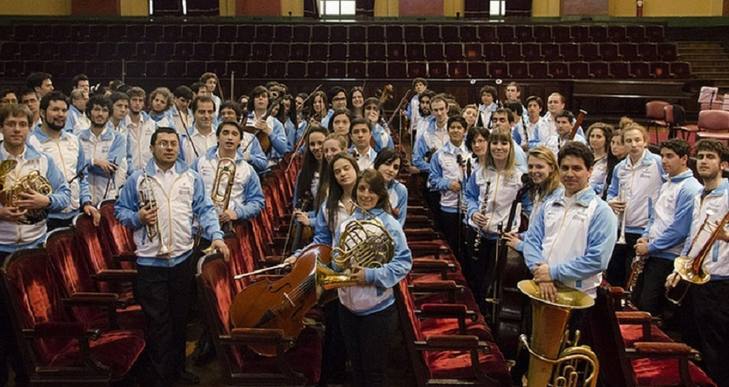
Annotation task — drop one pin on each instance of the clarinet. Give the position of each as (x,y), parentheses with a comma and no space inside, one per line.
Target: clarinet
(481,210)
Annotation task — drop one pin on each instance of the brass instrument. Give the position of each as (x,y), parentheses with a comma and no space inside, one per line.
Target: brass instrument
(147,199)
(224,178)
(636,268)
(10,194)
(363,244)
(554,360)
(482,211)
(691,270)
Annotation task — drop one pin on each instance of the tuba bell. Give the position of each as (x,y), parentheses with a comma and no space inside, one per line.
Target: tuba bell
(363,244)
(553,359)
(10,191)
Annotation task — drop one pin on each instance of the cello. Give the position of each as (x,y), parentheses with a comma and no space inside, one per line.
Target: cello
(262,136)
(280,304)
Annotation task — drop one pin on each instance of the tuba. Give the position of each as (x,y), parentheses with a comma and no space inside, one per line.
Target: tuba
(553,359)
(223,185)
(147,199)
(363,243)
(10,193)
(691,270)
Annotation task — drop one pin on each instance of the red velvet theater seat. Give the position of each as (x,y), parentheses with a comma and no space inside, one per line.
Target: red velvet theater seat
(116,240)
(300,364)
(644,363)
(75,279)
(59,349)
(450,358)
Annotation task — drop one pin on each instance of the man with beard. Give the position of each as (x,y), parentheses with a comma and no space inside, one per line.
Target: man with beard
(67,153)
(709,307)
(105,150)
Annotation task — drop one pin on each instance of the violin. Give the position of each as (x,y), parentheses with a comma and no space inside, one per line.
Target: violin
(260,134)
(280,304)
(578,122)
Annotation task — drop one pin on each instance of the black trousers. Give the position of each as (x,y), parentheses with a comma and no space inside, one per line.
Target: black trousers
(711,317)
(481,268)
(9,351)
(334,355)
(619,266)
(650,292)
(53,224)
(165,295)
(453,231)
(367,339)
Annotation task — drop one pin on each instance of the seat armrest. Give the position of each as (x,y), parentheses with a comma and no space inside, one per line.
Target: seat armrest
(116,275)
(451,343)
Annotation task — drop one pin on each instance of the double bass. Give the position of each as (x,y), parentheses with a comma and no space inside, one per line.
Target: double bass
(283,303)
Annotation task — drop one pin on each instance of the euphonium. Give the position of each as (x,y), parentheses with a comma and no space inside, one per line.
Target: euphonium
(224,178)
(10,193)
(553,360)
(147,199)
(364,244)
(691,269)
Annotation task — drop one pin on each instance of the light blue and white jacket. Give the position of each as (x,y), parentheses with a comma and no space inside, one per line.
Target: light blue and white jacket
(68,155)
(279,143)
(715,205)
(412,111)
(181,197)
(109,146)
(575,236)
(326,118)
(76,120)
(531,208)
(398,194)
(381,137)
(444,169)
(502,190)
(17,236)
(366,160)
(377,294)
(670,218)
(640,182)
(246,195)
(428,141)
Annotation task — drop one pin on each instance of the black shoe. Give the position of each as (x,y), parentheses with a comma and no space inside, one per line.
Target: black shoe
(188,378)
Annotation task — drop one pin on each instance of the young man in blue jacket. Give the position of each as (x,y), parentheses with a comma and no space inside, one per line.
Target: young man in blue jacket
(164,240)
(668,227)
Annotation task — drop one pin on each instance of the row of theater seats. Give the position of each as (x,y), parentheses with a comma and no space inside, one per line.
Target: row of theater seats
(245,51)
(322,33)
(354,69)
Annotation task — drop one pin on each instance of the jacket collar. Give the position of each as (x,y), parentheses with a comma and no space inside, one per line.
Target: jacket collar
(583,198)
(29,153)
(106,134)
(151,167)
(680,177)
(43,137)
(212,153)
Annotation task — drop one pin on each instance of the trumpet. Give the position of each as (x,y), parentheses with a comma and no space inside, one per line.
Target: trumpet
(223,186)
(691,270)
(147,199)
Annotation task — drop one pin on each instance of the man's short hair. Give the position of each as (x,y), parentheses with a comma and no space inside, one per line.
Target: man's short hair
(78,78)
(427,93)
(204,78)
(235,106)
(360,121)
(488,89)
(54,95)
(509,113)
(7,91)
(579,150)
(536,99)
(677,145)
(515,107)
(76,94)
(36,79)
(458,119)
(15,110)
(420,80)
(711,145)
(184,92)
(228,123)
(561,97)
(98,100)
(136,91)
(565,113)
(116,96)
(439,97)
(336,90)
(196,102)
(518,88)
(162,129)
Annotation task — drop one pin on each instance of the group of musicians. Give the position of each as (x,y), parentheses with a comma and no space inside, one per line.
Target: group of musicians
(595,201)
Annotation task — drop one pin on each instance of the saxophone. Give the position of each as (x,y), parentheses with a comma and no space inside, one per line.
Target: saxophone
(10,193)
